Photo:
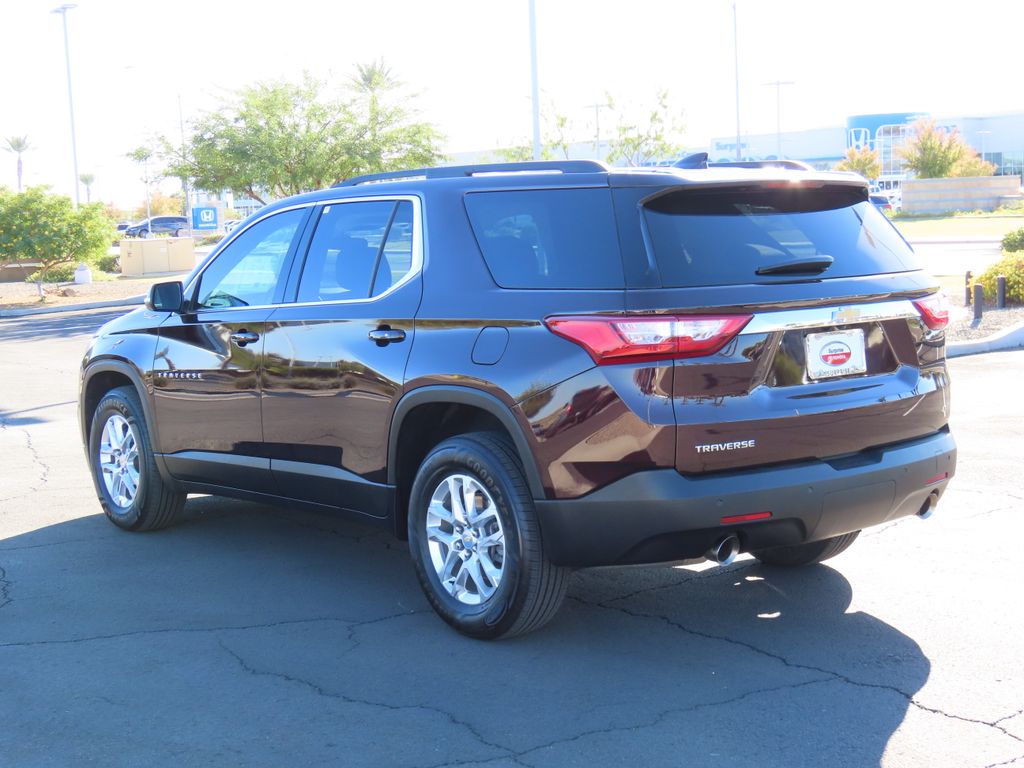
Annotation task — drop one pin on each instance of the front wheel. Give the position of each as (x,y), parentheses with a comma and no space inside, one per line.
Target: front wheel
(806,554)
(131,491)
(475,540)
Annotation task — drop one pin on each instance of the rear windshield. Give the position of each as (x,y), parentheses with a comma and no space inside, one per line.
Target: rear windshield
(548,238)
(704,237)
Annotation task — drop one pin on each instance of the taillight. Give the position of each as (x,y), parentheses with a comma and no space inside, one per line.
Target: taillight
(644,338)
(934,311)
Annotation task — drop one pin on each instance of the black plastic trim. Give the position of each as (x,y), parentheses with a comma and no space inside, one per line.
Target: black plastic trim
(463,396)
(661,515)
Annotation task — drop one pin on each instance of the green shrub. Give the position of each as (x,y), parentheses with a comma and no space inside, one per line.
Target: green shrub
(62,273)
(1014,241)
(1011,267)
(109,263)
(209,240)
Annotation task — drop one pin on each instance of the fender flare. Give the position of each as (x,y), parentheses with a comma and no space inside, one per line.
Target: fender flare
(463,396)
(129,371)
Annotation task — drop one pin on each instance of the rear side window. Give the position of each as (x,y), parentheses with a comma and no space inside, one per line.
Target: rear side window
(708,237)
(359,250)
(551,238)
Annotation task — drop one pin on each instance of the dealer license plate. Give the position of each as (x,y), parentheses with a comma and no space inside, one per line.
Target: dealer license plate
(839,353)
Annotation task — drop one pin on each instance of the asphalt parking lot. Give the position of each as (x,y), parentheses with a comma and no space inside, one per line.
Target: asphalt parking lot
(251,636)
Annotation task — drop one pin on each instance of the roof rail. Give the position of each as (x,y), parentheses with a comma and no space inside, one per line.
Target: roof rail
(458,171)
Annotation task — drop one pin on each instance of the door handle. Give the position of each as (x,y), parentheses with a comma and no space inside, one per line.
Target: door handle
(243,337)
(384,336)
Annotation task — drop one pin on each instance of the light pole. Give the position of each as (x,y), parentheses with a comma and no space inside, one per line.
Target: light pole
(597,120)
(534,90)
(63,11)
(983,134)
(778,114)
(736,57)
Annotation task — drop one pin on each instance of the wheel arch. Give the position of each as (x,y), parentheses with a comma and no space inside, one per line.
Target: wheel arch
(104,375)
(454,410)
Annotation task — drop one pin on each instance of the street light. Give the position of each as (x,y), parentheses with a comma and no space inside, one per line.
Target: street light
(597,120)
(63,11)
(736,57)
(983,134)
(778,114)
(533,80)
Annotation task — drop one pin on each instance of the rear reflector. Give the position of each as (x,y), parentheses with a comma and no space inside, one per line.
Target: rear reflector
(645,338)
(937,478)
(934,311)
(749,518)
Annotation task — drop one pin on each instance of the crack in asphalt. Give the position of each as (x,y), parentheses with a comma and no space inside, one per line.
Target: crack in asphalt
(796,665)
(1011,716)
(1011,761)
(45,476)
(5,589)
(653,723)
(48,544)
(319,690)
(200,630)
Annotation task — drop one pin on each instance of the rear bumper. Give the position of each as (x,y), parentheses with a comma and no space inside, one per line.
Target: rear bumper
(661,515)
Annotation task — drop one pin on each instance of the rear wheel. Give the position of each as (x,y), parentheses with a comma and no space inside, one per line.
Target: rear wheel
(475,540)
(806,554)
(133,494)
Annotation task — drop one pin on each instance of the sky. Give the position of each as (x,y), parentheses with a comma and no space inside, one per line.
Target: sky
(468,64)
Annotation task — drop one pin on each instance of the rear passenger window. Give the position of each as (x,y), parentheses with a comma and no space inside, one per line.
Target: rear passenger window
(358,250)
(550,238)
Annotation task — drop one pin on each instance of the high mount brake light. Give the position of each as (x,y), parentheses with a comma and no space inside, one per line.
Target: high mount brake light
(934,311)
(646,338)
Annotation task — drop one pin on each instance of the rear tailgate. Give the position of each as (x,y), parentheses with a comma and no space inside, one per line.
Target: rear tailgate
(837,356)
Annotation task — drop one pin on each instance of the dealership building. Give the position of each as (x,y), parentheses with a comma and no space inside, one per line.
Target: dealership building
(998,138)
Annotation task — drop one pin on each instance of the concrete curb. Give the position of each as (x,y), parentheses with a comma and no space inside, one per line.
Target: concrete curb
(1008,338)
(133,301)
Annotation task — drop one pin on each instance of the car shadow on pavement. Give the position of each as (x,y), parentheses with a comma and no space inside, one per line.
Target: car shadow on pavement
(255,636)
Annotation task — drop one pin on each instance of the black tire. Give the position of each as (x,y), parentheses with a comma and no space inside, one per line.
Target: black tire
(806,554)
(154,504)
(530,589)
(143,233)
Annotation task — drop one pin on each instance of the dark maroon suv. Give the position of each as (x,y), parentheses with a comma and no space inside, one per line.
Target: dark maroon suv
(530,368)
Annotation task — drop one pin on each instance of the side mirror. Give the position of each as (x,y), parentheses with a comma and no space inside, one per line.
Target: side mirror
(165,297)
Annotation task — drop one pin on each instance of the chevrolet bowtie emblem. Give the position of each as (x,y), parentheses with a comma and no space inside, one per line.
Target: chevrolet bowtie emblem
(846,315)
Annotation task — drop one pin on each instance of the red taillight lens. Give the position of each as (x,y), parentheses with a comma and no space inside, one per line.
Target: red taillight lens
(934,311)
(645,338)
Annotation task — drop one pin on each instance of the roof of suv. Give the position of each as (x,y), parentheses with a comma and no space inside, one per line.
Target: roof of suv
(566,173)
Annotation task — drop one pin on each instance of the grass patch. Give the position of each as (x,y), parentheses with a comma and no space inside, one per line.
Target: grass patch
(980,225)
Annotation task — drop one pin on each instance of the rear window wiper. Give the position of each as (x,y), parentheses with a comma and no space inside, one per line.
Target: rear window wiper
(812,266)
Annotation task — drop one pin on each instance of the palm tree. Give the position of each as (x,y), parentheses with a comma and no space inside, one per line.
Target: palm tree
(87,179)
(18,145)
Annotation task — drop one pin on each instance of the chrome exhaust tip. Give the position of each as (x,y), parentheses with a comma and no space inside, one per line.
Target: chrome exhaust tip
(725,550)
(928,508)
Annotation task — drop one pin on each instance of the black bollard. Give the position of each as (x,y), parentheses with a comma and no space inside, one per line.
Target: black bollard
(979,299)
(967,288)
(1001,292)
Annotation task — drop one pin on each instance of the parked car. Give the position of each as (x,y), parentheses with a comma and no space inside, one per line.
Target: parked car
(528,368)
(161,225)
(881,202)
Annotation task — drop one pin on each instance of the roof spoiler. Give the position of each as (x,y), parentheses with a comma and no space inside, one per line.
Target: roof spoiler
(699,160)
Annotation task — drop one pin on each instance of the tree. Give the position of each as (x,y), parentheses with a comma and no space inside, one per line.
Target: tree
(971,164)
(37,227)
(279,138)
(159,205)
(864,161)
(932,152)
(87,179)
(640,143)
(18,145)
